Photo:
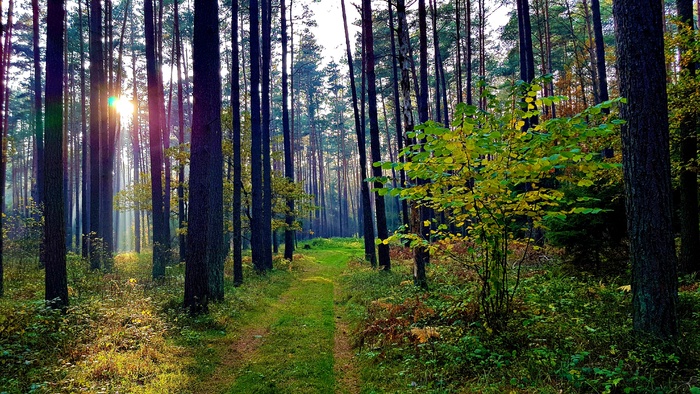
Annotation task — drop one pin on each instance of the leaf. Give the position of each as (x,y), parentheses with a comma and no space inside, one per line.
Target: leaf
(585,182)
(626,289)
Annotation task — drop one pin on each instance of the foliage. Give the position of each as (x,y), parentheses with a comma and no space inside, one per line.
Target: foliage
(567,334)
(497,181)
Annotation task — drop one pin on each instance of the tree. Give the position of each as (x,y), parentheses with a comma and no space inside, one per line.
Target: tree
(690,233)
(204,235)
(368,227)
(266,217)
(421,215)
(384,260)
(646,162)
(156,147)
(288,159)
(38,122)
(54,227)
(96,110)
(237,164)
(256,224)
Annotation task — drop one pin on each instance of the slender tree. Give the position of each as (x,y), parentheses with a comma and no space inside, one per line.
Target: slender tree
(646,163)
(256,223)
(380,208)
(266,12)
(181,130)
(288,159)
(397,105)
(690,235)
(96,112)
(38,119)
(421,256)
(2,154)
(156,147)
(135,145)
(85,163)
(368,227)
(54,227)
(237,165)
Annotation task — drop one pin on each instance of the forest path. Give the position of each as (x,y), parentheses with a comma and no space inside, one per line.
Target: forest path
(299,344)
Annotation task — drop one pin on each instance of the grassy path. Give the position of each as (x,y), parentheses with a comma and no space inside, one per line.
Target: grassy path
(294,345)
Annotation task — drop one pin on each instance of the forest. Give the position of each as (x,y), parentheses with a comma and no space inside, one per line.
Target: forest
(349,196)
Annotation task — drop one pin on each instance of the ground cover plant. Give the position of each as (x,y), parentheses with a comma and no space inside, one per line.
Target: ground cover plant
(567,332)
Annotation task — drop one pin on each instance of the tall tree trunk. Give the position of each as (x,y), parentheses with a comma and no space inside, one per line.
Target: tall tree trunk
(646,164)
(397,107)
(368,228)
(421,256)
(288,158)
(85,158)
(181,133)
(690,235)
(591,52)
(468,50)
(3,143)
(380,208)
(38,120)
(204,235)
(96,114)
(600,50)
(156,147)
(135,146)
(266,13)
(109,126)
(237,165)
(548,43)
(256,225)
(527,59)
(54,228)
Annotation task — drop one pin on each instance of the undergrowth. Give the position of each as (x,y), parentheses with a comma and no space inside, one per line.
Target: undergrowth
(566,334)
(122,333)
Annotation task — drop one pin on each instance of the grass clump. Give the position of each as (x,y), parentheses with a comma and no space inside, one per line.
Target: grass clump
(565,334)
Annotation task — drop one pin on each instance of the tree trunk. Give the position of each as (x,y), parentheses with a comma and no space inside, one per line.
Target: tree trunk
(96,110)
(54,228)
(85,159)
(237,165)
(646,164)
(205,221)
(690,235)
(135,146)
(38,122)
(156,147)
(181,134)
(397,108)
(421,256)
(266,12)
(3,141)
(256,225)
(288,159)
(368,228)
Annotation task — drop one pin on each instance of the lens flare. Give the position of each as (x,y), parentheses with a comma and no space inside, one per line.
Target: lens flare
(121,104)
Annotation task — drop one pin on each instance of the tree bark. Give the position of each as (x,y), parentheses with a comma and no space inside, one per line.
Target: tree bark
(266,12)
(237,165)
(96,114)
(156,147)
(380,208)
(54,228)
(646,164)
(135,146)
(38,120)
(368,227)
(397,107)
(690,235)
(256,225)
(204,235)
(288,158)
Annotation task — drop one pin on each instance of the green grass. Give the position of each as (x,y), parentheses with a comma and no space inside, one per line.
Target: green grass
(568,333)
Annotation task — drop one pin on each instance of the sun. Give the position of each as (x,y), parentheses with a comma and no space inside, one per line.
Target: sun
(122,105)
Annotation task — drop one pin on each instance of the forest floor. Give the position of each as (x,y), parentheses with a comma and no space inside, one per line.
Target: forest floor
(327,323)
(297,344)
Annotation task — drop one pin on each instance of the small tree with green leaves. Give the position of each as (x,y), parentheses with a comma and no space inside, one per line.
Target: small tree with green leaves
(497,182)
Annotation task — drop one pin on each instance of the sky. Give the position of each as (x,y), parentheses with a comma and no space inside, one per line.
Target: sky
(331,36)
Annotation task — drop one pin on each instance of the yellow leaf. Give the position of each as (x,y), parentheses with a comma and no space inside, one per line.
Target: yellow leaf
(625,288)
(426,223)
